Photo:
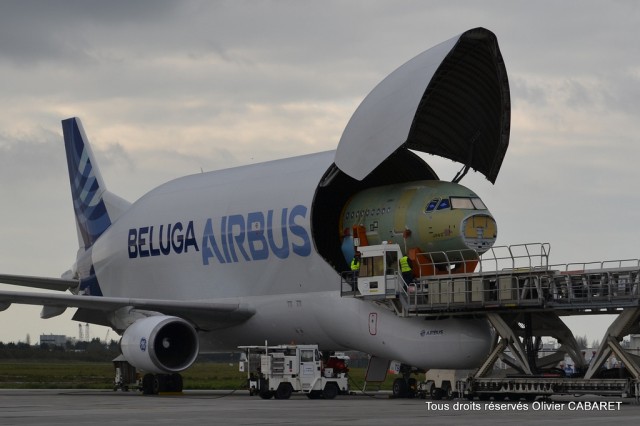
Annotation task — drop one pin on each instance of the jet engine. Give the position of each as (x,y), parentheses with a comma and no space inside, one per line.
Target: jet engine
(160,344)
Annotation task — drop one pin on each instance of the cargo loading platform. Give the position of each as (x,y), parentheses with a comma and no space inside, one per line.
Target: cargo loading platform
(523,297)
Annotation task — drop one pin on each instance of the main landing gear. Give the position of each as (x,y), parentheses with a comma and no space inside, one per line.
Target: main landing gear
(153,384)
(405,386)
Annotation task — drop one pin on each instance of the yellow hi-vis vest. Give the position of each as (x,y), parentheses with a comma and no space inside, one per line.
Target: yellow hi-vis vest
(355,264)
(404,264)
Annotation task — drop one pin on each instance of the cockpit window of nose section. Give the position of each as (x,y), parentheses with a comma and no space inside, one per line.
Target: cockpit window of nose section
(467,203)
(432,205)
(443,204)
(471,203)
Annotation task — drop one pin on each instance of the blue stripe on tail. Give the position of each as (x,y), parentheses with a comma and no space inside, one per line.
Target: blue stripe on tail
(87,186)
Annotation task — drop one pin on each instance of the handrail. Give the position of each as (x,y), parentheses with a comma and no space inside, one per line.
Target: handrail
(516,256)
(508,277)
(598,265)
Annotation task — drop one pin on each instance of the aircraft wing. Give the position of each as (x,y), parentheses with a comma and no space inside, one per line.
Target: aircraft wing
(58,284)
(205,315)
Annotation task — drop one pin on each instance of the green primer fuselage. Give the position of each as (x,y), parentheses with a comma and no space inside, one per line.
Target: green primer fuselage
(434,216)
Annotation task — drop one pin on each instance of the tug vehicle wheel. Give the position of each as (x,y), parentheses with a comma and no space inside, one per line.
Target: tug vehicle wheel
(284,391)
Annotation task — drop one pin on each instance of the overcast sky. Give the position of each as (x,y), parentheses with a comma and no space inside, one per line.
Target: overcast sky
(167,88)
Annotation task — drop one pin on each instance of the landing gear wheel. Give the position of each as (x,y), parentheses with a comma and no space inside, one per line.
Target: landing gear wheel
(400,388)
(284,391)
(148,382)
(175,383)
(158,384)
(330,391)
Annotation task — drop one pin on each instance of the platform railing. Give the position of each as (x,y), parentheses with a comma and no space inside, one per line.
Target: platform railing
(513,276)
(542,289)
(598,265)
(517,256)
(520,275)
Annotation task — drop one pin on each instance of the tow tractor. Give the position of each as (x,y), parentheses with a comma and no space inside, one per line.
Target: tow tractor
(278,371)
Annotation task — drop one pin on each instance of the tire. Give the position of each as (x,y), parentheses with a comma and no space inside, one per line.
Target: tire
(176,383)
(400,388)
(437,393)
(314,394)
(265,394)
(447,390)
(263,389)
(330,391)
(148,384)
(284,391)
(158,384)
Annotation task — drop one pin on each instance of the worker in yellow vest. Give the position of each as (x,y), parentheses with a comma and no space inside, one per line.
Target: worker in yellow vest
(406,270)
(355,270)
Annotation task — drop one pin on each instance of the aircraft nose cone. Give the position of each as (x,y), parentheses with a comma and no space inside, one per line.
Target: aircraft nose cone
(479,232)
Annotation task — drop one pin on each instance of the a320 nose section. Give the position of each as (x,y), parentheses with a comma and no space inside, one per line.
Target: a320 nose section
(479,232)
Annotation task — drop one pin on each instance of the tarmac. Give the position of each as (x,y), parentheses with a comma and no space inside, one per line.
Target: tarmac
(67,407)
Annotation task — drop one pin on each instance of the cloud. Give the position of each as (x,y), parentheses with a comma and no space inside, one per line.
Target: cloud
(34,33)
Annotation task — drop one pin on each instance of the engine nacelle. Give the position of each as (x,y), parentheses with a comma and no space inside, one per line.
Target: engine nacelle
(160,344)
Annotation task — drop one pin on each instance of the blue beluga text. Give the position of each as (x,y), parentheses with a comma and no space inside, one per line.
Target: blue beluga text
(230,239)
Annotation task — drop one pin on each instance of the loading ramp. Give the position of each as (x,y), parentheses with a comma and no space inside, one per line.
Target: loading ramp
(523,297)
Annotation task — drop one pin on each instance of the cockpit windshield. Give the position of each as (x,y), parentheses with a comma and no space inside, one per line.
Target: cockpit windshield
(468,203)
(478,204)
(443,204)
(432,205)
(461,203)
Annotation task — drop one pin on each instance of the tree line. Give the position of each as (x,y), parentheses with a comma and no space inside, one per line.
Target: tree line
(97,350)
(88,351)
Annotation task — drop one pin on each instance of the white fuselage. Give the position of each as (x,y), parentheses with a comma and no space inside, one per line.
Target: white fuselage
(243,235)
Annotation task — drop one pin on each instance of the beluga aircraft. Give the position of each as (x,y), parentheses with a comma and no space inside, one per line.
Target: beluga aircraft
(212,261)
